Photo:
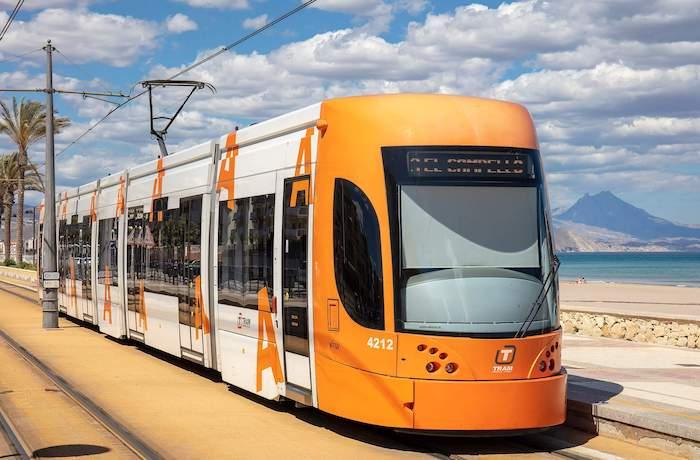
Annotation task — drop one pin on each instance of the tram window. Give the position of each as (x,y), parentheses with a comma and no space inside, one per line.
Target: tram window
(188,254)
(85,256)
(107,248)
(245,250)
(135,255)
(163,241)
(357,251)
(62,255)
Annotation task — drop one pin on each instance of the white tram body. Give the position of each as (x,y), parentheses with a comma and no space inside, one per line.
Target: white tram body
(94,226)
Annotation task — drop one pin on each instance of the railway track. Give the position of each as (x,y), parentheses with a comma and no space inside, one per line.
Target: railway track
(24,450)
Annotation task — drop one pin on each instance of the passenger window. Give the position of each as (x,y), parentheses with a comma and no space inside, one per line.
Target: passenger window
(245,250)
(62,256)
(85,256)
(107,251)
(358,258)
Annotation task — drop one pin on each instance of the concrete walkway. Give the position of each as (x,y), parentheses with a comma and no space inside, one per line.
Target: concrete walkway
(648,387)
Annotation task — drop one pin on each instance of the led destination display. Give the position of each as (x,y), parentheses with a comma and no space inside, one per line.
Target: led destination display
(469,165)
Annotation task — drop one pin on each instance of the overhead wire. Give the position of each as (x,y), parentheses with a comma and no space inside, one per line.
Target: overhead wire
(70,61)
(10,19)
(20,56)
(191,67)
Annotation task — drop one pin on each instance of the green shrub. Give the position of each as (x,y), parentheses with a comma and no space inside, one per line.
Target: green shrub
(26,266)
(9,263)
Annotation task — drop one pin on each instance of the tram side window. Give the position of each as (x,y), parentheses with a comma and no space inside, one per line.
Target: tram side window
(62,256)
(163,249)
(245,250)
(73,238)
(107,251)
(357,252)
(85,256)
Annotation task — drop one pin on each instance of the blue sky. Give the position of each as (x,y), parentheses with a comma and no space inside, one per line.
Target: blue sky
(612,86)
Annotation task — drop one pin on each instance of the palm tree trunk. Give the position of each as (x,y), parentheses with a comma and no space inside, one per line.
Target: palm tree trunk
(19,234)
(8,226)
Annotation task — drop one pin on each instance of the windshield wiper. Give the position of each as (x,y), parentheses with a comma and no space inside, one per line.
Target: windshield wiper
(539,301)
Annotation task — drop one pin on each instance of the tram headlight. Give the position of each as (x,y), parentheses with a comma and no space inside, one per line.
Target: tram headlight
(451,367)
(543,366)
(432,366)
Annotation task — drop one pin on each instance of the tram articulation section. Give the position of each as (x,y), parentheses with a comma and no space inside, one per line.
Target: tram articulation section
(387,259)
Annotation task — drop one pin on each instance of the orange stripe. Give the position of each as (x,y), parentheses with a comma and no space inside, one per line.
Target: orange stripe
(158,182)
(120,197)
(227,170)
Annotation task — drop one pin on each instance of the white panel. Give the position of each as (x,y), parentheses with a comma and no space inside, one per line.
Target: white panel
(163,323)
(261,184)
(299,119)
(238,320)
(107,202)
(114,328)
(239,364)
(182,177)
(197,337)
(184,336)
(298,369)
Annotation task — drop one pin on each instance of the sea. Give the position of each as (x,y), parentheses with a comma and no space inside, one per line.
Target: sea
(670,268)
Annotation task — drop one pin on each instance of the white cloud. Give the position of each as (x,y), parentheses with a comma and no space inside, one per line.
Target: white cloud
(607,88)
(658,127)
(179,23)
(377,13)
(256,22)
(114,40)
(223,4)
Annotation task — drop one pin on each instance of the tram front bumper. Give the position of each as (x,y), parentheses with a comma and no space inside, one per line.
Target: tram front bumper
(490,405)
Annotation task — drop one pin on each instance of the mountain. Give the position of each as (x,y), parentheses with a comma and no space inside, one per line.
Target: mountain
(604,222)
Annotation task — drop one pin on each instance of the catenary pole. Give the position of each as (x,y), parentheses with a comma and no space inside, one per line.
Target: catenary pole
(49,301)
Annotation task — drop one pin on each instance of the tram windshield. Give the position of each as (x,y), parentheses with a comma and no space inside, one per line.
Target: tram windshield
(473,255)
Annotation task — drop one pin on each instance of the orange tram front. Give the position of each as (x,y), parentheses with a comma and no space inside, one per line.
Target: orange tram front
(435,285)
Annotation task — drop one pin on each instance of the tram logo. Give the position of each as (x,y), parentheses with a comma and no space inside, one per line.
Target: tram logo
(243,321)
(506,355)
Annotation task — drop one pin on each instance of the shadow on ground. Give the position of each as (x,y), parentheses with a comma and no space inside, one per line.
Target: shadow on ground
(69,450)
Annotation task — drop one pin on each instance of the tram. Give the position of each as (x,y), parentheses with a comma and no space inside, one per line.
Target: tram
(387,259)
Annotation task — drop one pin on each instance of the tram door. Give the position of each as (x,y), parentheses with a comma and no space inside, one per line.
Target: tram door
(295,281)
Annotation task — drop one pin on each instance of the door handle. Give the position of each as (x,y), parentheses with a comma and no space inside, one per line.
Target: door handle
(273,305)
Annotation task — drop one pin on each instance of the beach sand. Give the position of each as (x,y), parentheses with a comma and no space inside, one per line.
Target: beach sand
(656,301)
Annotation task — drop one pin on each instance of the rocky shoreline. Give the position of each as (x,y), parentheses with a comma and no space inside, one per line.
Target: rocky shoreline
(678,333)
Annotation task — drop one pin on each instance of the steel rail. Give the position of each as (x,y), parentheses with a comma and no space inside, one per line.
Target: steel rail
(130,440)
(13,435)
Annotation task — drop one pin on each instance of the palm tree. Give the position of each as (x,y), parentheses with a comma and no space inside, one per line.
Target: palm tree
(25,124)
(9,180)
(9,175)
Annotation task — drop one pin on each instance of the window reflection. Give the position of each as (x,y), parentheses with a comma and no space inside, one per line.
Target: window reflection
(245,250)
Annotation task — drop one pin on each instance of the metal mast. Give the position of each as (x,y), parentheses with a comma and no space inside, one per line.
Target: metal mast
(49,301)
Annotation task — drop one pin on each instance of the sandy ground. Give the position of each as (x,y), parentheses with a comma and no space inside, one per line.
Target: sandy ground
(633,299)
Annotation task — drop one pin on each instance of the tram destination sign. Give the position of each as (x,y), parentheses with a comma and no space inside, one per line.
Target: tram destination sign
(464,165)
